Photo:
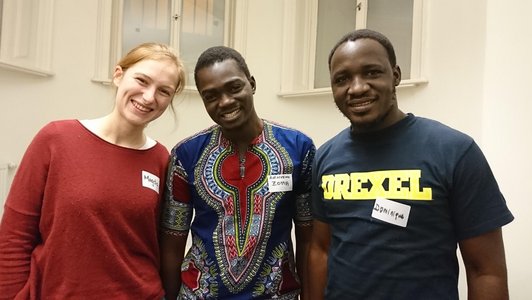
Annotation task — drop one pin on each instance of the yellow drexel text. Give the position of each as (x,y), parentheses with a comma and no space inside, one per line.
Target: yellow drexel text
(390,184)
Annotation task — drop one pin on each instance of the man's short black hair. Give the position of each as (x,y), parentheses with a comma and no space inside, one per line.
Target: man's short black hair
(367,34)
(218,54)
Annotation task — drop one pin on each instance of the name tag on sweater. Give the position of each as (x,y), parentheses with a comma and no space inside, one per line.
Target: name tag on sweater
(150,181)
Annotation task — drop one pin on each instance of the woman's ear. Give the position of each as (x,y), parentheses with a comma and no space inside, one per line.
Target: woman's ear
(117,75)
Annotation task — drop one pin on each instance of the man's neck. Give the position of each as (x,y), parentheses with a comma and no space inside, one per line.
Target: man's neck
(242,137)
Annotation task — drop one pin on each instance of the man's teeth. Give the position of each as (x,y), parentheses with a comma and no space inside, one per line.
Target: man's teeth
(362,103)
(231,114)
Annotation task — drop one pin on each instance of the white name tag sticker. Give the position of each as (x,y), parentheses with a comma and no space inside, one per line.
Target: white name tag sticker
(391,212)
(150,181)
(280,183)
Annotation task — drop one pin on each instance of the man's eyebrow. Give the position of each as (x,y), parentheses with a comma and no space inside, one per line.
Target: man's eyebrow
(233,80)
(372,65)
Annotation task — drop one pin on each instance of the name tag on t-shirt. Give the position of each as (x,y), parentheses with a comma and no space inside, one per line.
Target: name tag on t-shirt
(280,183)
(391,212)
(150,181)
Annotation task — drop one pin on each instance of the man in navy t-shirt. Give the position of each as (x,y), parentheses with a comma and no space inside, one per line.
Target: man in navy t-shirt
(394,194)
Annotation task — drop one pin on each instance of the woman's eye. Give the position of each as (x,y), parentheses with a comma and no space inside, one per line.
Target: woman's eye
(165,93)
(141,80)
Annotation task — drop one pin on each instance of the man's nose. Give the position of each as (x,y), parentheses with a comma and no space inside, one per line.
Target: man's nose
(226,100)
(358,86)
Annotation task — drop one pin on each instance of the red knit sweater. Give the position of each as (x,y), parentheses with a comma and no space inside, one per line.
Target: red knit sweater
(81,218)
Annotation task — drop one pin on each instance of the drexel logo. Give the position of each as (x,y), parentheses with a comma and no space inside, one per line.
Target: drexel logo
(390,184)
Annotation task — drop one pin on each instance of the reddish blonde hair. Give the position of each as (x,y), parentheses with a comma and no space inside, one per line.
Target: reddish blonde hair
(155,51)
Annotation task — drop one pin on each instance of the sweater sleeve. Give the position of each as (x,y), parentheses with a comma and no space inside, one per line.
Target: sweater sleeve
(19,228)
(18,237)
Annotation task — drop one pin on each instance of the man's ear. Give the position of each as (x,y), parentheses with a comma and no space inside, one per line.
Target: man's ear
(117,75)
(397,75)
(253,84)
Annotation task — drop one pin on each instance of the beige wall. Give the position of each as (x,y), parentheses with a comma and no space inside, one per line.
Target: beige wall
(477,62)
(506,126)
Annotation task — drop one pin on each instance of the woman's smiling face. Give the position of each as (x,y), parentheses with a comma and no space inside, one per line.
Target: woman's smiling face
(145,90)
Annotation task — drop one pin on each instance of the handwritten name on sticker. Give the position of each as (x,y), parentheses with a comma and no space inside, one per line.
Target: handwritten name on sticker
(280,183)
(391,212)
(150,181)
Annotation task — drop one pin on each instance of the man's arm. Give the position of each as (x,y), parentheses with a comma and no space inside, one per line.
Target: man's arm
(485,266)
(172,253)
(317,260)
(303,235)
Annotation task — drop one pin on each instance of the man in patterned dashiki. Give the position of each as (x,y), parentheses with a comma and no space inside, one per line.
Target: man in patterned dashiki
(245,180)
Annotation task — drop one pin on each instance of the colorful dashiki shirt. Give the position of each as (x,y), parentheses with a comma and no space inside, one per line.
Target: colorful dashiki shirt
(243,212)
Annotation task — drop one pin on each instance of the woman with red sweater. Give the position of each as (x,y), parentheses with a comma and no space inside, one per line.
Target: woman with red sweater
(80,220)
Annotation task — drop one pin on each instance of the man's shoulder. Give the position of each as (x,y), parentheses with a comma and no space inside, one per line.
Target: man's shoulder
(286,130)
(196,139)
(340,138)
(439,130)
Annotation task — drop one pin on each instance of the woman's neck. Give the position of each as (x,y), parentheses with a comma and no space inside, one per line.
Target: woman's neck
(118,133)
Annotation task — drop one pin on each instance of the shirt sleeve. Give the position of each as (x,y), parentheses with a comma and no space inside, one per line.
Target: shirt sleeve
(177,209)
(317,204)
(477,204)
(19,228)
(18,238)
(303,211)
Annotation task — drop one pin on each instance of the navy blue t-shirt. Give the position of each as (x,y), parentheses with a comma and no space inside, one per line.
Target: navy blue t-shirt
(438,172)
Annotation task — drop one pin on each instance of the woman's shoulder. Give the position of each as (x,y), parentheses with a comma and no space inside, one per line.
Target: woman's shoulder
(58,127)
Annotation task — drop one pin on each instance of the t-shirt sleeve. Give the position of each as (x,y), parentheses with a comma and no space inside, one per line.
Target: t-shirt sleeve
(19,228)
(477,204)
(177,208)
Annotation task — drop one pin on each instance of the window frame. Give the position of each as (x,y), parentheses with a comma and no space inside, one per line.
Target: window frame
(33,56)
(299,47)
(108,45)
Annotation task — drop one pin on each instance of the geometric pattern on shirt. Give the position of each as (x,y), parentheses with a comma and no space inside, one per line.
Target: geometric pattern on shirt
(203,285)
(245,213)
(303,211)
(276,278)
(176,215)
